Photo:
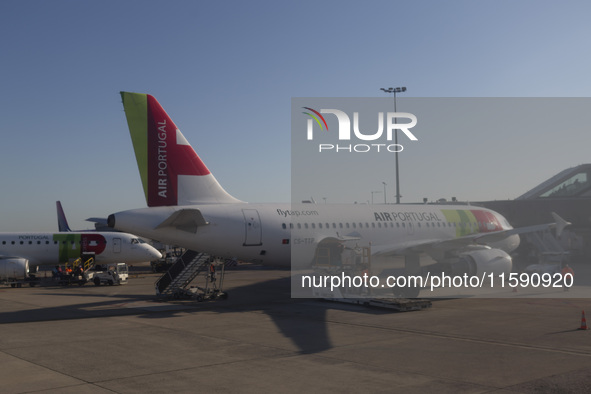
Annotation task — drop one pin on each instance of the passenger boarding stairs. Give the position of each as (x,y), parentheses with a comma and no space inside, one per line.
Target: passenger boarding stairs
(182,272)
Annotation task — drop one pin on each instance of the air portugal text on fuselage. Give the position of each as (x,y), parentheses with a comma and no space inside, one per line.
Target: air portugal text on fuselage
(69,245)
(465,221)
(406,216)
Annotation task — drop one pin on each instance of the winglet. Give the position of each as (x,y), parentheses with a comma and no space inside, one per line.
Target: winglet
(560,224)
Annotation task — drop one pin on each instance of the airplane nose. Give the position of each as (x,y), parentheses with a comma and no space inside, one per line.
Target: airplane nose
(154,253)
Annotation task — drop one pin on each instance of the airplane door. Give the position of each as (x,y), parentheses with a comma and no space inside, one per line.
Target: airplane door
(117,245)
(253,230)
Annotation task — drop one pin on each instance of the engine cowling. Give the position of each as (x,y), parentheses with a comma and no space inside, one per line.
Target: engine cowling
(14,268)
(477,262)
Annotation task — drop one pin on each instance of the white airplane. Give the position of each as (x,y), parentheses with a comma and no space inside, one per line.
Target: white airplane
(20,251)
(188,207)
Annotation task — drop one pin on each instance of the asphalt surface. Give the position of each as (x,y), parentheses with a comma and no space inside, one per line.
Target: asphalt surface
(123,339)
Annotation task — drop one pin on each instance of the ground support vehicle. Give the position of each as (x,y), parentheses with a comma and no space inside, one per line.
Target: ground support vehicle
(109,274)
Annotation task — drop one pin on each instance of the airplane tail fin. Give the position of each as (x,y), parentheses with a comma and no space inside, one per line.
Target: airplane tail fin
(62,222)
(171,171)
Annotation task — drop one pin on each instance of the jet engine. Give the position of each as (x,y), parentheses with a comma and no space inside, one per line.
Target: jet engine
(478,262)
(14,268)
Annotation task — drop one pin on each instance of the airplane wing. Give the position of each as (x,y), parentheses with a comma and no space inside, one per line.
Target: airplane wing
(472,241)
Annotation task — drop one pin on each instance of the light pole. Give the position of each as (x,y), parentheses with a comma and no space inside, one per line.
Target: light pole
(396,90)
(384,192)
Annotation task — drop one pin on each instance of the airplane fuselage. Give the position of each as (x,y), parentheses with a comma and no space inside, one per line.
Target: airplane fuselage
(268,232)
(54,248)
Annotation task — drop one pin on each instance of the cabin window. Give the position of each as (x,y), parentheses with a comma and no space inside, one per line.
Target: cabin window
(313,225)
(354,225)
(347,225)
(319,225)
(306,225)
(283,226)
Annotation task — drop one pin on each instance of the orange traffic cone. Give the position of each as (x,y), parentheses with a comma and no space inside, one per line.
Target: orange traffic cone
(583,322)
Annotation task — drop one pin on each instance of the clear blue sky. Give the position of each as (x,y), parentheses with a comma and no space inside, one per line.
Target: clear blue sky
(226,73)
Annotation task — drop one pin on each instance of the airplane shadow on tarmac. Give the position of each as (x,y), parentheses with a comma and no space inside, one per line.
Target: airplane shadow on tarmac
(303,321)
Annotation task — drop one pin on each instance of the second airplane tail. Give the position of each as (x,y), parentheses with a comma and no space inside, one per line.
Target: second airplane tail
(171,171)
(62,222)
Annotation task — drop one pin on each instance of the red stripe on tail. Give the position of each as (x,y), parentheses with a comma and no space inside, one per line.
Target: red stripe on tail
(166,158)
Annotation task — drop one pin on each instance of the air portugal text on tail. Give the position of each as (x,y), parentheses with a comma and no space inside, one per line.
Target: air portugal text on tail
(171,171)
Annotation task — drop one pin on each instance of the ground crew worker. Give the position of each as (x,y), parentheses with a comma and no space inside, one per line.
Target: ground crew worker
(212,272)
(567,270)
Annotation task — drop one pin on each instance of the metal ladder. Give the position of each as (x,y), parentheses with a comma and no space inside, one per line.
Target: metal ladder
(182,272)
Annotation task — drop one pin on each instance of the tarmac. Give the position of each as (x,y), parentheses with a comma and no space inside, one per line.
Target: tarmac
(123,339)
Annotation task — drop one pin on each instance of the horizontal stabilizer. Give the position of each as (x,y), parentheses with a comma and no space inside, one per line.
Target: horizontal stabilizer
(185,219)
